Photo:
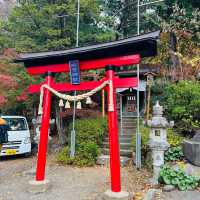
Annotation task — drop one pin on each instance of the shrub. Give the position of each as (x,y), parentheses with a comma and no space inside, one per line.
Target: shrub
(182,102)
(173,138)
(89,137)
(174,154)
(63,156)
(87,154)
(89,130)
(178,178)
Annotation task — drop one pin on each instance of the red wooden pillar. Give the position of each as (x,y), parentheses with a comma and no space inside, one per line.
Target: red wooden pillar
(113,136)
(43,144)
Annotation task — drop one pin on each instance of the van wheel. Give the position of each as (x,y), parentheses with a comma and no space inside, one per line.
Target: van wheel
(26,155)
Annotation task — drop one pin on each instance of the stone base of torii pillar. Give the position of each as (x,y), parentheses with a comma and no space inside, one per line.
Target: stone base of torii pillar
(109,195)
(36,187)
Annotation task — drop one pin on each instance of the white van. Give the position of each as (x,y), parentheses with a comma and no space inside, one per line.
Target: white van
(19,141)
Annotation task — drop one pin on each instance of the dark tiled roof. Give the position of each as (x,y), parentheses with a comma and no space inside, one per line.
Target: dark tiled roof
(145,45)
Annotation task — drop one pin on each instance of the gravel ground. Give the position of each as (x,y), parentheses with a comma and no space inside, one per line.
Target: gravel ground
(178,195)
(67,182)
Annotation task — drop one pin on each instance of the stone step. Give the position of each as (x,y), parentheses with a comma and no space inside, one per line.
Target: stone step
(127,136)
(123,152)
(122,140)
(129,127)
(105,160)
(123,135)
(123,145)
(128,117)
(128,123)
(127,132)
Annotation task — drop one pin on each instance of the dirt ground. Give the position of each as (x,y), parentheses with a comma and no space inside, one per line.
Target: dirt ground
(67,182)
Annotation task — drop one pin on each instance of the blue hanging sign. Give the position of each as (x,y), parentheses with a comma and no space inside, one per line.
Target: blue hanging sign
(74,72)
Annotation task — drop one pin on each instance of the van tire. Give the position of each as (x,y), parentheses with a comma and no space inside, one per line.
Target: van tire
(26,155)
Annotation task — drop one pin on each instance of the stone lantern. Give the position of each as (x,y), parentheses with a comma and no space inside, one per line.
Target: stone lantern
(158,139)
(37,123)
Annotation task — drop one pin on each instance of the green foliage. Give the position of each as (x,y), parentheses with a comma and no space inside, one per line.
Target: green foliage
(122,17)
(90,130)
(86,154)
(173,138)
(43,25)
(63,156)
(89,137)
(174,154)
(145,131)
(182,102)
(178,178)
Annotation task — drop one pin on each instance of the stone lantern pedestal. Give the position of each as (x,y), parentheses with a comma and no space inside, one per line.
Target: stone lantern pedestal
(158,160)
(37,122)
(158,139)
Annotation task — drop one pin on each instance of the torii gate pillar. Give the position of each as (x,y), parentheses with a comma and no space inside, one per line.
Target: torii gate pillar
(115,192)
(113,135)
(43,144)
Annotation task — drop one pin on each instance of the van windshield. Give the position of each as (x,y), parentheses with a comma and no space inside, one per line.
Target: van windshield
(16,124)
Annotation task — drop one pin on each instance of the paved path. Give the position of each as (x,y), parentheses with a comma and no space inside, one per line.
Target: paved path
(178,195)
(68,183)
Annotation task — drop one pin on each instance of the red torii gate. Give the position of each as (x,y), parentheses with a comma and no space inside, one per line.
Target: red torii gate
(112,115)
(108,56)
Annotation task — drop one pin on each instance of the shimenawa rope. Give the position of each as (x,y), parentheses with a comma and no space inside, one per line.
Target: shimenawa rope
(77,97)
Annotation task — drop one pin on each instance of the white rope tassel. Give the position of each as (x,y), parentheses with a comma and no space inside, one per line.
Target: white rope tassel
(67,105)
(88,100)
(61,103)
(40,109)
(72,98)
(111,105)
(79,105)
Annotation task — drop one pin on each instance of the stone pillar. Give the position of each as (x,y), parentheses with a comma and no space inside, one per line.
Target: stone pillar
(158,139)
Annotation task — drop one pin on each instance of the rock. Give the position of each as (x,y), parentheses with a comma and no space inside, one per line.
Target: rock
(196,137)
(168,188)
(152,194)
(192,170)
(188,168)
(191,150)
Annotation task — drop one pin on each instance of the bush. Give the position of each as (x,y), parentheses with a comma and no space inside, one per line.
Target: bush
(173,138)
(174,154)
(182,102)
(63,156)
(87,154)
(178,178)
(89,138)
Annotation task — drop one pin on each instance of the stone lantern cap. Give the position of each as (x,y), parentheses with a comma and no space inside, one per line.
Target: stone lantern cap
(158,121)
